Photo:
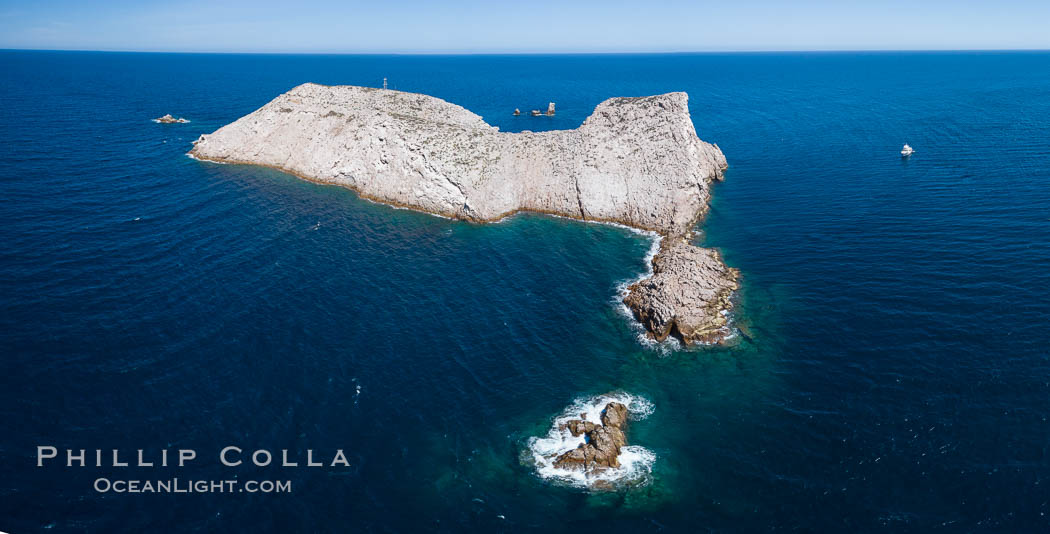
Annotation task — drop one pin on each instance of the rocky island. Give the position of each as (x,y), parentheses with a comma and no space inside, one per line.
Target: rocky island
(169,119)
(603,440)
(586,445)
(633,161)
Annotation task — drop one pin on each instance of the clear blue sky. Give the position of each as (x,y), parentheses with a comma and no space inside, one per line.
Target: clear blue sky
(504,26)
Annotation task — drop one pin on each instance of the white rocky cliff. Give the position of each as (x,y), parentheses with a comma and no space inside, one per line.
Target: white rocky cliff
(635,161)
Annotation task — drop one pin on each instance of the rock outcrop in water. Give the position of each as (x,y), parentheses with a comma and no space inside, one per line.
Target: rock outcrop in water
(635,161)
(604,441)
(168,119)
(586,445)
(688,295)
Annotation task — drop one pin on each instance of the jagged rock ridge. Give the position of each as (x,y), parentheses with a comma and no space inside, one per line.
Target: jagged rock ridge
(603,443)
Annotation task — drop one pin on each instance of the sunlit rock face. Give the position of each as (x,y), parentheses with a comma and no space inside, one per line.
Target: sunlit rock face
(635,161)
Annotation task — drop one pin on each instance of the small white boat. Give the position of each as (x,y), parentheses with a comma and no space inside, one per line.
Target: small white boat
(907,151)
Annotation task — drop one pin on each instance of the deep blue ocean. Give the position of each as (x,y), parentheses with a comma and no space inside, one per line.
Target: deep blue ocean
(894,375)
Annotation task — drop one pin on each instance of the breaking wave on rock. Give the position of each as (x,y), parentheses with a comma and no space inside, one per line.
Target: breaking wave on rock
(636,462)
(670,344)
(666,346)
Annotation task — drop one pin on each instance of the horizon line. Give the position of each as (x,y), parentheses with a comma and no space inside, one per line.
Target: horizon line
(524,53)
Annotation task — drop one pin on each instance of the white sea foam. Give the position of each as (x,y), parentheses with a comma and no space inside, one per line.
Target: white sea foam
(191,156)
(668,345)
(636,462)
(621,226)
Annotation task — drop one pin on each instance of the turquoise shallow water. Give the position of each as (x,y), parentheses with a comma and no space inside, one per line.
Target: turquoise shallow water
(894,375)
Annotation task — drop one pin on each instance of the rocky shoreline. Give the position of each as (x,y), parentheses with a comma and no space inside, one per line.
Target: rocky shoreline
(634,161)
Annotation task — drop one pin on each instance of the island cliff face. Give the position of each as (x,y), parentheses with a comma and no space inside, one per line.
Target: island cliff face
(634,161)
